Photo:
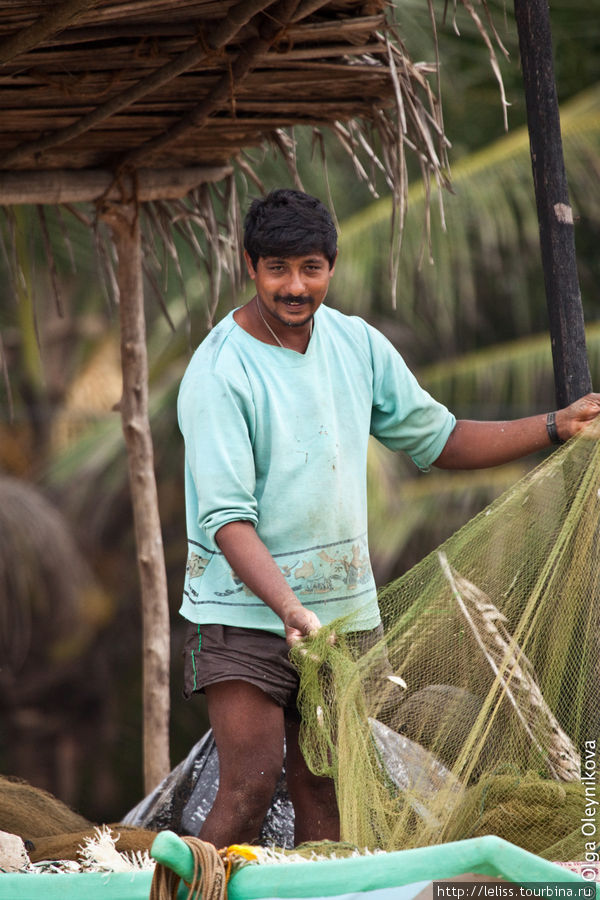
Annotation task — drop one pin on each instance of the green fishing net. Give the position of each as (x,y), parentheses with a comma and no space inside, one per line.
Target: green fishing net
(478,711)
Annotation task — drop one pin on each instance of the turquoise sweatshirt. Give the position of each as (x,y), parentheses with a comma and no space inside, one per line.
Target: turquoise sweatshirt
(279,439)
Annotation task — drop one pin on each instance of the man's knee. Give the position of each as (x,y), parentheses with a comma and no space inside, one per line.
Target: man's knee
(247,794)
(255,794)
(252,780)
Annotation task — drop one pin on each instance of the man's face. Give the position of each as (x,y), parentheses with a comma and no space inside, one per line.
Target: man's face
(291,288)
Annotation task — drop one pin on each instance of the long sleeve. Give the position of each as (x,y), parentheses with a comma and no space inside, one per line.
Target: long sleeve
(216,418)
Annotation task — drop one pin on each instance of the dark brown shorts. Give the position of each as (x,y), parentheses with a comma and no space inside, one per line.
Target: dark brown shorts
(214,653)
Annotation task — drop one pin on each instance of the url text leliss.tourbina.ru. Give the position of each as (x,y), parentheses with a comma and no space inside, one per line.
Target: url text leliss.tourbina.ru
(490,890)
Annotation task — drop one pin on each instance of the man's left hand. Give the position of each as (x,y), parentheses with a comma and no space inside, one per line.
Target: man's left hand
(574,418)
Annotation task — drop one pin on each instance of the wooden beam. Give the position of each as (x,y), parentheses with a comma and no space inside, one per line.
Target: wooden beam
(56,19)
(123,220)
(63,186)
(555,216)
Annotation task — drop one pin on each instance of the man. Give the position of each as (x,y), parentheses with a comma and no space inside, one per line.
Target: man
(276,408)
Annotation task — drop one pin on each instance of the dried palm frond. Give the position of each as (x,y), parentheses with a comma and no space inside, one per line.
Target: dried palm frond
(99,853)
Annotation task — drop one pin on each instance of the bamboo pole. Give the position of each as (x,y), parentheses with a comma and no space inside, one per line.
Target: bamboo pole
(555,216)
(124,224)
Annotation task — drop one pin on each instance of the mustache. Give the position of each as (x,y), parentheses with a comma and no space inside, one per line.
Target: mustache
(290,298)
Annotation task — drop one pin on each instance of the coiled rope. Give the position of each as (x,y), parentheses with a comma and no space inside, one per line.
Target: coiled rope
(209,881)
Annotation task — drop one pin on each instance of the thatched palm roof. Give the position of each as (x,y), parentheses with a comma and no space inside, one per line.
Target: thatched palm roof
(122,85)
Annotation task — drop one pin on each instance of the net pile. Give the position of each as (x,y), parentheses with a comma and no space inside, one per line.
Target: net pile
(479,710)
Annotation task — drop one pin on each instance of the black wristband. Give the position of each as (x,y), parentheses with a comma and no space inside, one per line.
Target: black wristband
(551,428)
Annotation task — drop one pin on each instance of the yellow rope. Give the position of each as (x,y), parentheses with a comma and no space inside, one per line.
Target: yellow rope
(209,881)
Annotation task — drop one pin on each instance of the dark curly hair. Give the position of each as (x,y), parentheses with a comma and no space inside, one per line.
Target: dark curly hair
(289,223)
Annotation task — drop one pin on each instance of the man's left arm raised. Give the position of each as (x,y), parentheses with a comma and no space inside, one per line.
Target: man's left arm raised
(478,445)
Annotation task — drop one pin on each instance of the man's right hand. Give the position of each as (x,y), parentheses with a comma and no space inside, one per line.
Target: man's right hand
(299,623)
(254,565)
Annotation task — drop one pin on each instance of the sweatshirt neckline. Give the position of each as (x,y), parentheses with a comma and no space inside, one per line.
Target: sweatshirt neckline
(283,355)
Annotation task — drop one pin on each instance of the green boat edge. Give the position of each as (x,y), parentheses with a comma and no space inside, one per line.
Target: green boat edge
(490,856)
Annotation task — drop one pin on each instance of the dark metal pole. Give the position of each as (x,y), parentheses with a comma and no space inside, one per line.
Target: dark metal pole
(563,296)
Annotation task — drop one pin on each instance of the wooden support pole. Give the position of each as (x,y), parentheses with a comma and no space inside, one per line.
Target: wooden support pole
(563,296)
(123,222)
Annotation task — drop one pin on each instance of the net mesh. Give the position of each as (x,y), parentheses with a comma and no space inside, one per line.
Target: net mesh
(478,711)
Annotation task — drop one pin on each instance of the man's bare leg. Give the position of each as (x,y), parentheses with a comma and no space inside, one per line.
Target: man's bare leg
(248,730)
(313,797)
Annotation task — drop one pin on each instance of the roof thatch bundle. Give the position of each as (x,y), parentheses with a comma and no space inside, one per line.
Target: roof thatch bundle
(118,86)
